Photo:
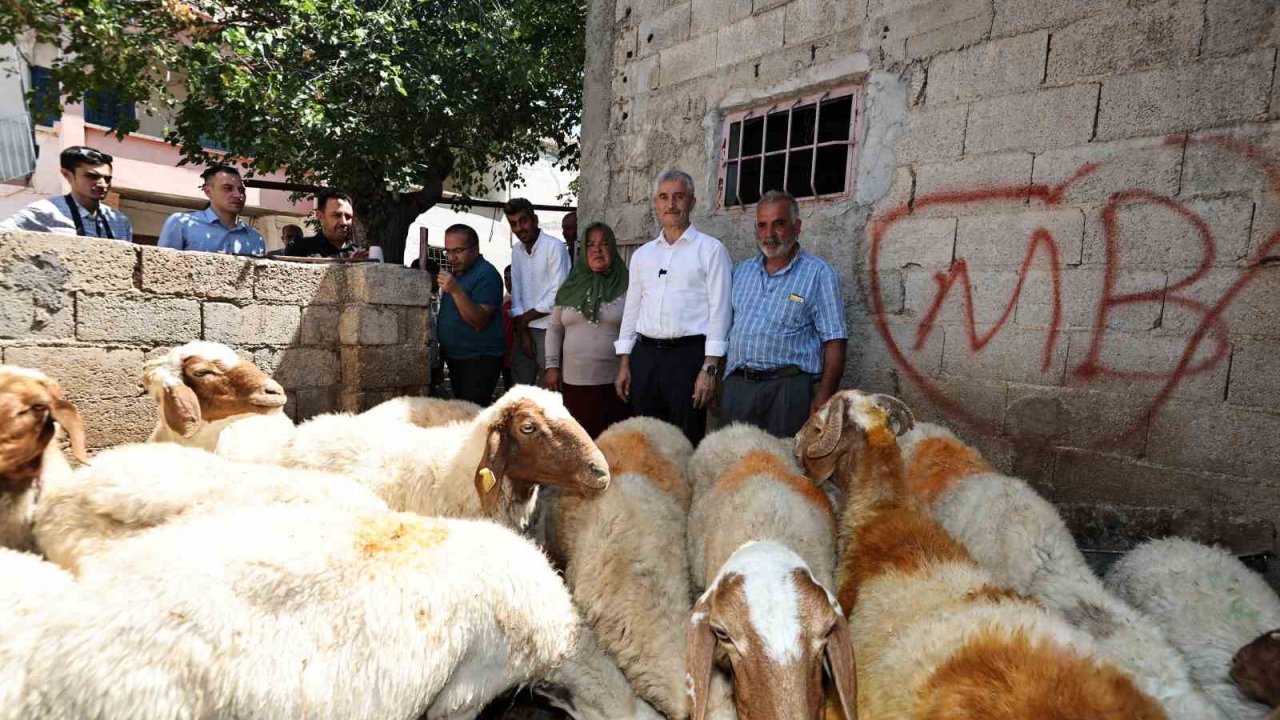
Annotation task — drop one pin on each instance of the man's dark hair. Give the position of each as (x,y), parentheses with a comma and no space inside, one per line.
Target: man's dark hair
(324,196)
(467,230)
(515,206)
(287,228)
(214,170)
(77,155)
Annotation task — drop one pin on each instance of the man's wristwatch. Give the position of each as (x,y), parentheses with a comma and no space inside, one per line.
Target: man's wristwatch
(711,369)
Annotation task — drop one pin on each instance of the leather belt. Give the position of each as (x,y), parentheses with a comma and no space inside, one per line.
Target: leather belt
(673,342)
(751,375)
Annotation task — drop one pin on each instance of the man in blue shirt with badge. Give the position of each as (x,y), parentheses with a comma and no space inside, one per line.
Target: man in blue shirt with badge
(218,228)
(788,340)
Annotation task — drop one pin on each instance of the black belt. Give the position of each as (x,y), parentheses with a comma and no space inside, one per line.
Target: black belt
(673,342)
(762,375)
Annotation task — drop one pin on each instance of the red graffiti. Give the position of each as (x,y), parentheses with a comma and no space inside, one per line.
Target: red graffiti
(1211,323)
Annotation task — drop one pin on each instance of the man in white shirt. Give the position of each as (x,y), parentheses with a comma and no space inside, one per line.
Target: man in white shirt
(675,324)
(539,265)
(88,173)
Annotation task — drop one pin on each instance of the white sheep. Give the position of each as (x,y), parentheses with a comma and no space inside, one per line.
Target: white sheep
(588,685)
(490,467)
(288,611)
(31,587)
(132,488)
(625,558)
(209,397)
(424,411)
(1208,604)
(32,408)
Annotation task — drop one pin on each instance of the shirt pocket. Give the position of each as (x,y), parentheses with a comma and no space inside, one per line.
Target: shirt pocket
(793,316)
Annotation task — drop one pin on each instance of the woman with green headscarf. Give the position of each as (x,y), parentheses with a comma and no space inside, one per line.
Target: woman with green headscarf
(581,363)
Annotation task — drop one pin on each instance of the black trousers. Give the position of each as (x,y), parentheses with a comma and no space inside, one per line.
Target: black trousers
(474,378)
(662,381)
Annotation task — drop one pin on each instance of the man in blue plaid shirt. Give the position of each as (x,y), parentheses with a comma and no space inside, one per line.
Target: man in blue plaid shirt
(787,343)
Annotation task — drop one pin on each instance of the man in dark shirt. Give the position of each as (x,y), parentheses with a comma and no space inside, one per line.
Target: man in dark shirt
(470,322)
(333,209)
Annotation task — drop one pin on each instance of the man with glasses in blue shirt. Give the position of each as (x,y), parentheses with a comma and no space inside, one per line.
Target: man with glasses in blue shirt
(218,228)
(787,343)
(89,174)
(470,321)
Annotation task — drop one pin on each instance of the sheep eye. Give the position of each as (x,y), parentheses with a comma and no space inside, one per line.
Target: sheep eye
(38,408)
(201,373)
(721,634)
(527,428)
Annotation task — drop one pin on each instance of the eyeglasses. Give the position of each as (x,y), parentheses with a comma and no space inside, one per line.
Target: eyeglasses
(457,251)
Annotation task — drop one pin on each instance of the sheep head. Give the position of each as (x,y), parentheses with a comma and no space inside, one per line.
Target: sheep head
(30,404)
(845,425)
(1256,669)
(203,382)
(768,619)
(533,440)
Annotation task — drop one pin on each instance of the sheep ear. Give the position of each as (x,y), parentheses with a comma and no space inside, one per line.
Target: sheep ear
(181,409)
(700,660)
(840,664)
(490,471)
(832,429)
(900,417)
(69,418)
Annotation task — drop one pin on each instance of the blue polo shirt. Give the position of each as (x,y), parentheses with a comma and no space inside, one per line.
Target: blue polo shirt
(203,231)
(783,319)
(482,283)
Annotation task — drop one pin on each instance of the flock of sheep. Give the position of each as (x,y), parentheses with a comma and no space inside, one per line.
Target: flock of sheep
(422,558)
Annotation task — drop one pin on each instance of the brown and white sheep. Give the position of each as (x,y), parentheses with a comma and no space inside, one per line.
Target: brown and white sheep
(424,412)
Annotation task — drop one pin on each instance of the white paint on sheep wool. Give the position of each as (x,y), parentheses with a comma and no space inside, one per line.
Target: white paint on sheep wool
(768,572)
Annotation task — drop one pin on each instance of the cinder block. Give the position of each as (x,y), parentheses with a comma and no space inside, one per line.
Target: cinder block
(417,325)
(933,135)
(1233,26)
(85,372)
(1255,375)
(749,37)
(1125,40)
(1002,239)
(709,15)
(365,325)
(975,173)
(1078,418)
(252,325)
(624,46)
(637,76)
(87,264)
(992,292)
(1231,159)
(115,421)
(807,19)
(1186,98)
(1080,294)
(136,318)
(1015,354)
(925,242)
(320,325)
(1047,118)
(1089,477)
(1253,310)
(663,30)
(994,68)
(42,313)
(982,400)
(1266,223)
(1020,16)
(300,283)
(1133,355)
(297,368)
(899,194)
(381,368)
(199,274)
(1216,438)
(267,359)
(1156,236)
(358,402)
(317,401)
(945,25)
(868,350)
(1102,169)
(688,60)
(383,284)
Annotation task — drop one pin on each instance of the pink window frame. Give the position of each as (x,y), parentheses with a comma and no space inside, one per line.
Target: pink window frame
(854,142)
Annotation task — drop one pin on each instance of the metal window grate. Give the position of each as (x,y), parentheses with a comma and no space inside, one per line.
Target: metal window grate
(806,146)
(17,148)
(105,109)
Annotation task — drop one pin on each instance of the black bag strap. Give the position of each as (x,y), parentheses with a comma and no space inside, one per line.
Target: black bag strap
(74,210)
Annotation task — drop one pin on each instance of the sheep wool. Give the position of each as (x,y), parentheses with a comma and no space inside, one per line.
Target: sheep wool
(424,412)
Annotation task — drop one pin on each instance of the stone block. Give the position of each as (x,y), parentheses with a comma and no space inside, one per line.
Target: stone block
(1002,239)
(1125,40)
(750,37)
(979,172)
(1186,98)
(1156,236)
(1231,159)
(898,195)
(1245,498)
(923,242)
(868,350)
(267,359)
(198,274)
(300,283)
(708,16)
(252,325)
(1080,293)
(994,68)
(1102,169)
(135,318)
(933,135)
(85,372)
(663,30)
(320,325)
(1253,310)
(1266,225)
(358,402)
(1140,363)
(1090,477)
(365,325)
(1233,26)
(1015,354)
(688,60)
(417,325)
(947,25)
(36,313)
(982,400)
(992,294)
(297,368)
(624,46)
(317,401)
(1077,418)
(808,19)
(1215,437)
(1020,16)
(637,76)
(383,284)
(115,421)
(1255,376)
(382,368)
(1039,120)
(78,263)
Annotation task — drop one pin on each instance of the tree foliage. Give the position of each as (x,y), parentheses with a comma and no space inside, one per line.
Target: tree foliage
(377,97)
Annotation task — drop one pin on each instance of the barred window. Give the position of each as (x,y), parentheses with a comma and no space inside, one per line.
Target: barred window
(806,146)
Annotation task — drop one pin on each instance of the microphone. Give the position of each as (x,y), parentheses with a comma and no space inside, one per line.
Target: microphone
(662,271)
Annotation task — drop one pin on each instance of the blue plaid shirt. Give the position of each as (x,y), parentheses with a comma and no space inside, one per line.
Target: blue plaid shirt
(203,231)
(783,319)
(52,215)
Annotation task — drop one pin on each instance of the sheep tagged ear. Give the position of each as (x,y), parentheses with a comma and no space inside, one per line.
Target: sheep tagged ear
(841,666)
(900,418)
(181,409)
(700,659)
(490,471)
(69,418)
(831,431)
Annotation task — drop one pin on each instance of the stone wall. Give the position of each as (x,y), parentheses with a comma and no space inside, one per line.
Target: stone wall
(1062,236)
(89,313)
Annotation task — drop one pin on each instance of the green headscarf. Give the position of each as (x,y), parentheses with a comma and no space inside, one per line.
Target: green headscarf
(584,290)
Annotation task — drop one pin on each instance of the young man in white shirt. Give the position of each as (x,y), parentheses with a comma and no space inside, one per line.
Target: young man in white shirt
(675,323)
(539,265)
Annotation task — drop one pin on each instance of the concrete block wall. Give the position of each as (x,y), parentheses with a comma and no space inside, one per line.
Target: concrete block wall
(1077,208)
(90,312)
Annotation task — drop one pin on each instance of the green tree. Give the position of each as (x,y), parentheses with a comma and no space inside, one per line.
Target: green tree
(382,98)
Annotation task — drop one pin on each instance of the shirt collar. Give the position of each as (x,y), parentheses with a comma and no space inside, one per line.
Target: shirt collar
(689,234)
(84,211)
(211,217)
(759,259)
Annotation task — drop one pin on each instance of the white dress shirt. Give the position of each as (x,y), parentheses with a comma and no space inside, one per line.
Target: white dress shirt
(679,289)
(536,277)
